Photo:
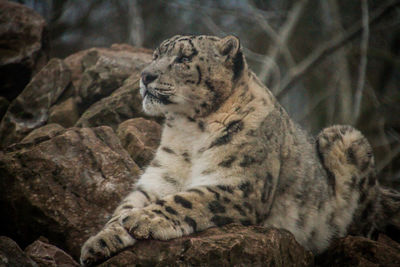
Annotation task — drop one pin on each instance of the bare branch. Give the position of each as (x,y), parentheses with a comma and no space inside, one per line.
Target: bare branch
(388,159)
(244,14)
(136,24)
(275,84)
(313,105)
(363,60)
(211,25)
(329,47)
(284,34)
(259,18)
(340,109)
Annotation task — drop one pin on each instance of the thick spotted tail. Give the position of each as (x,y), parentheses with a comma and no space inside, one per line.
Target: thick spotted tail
(347,158)
(388,219)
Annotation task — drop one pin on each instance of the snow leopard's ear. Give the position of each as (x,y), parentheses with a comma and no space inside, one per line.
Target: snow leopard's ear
(230,48)
(229,45)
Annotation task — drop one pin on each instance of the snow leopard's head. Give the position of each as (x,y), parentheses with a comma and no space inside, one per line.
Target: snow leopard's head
(191,75)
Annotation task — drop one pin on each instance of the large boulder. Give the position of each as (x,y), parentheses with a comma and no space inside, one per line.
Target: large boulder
(77,63)
(230,245)
(123,104)
(24,47)
(12,255)
(63,187)
(103,70)
(30,109)
(104,79)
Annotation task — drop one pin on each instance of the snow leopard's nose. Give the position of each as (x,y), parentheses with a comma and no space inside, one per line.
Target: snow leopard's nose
(148,78)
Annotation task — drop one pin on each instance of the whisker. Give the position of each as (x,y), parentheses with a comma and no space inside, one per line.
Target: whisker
(165,93)
(163,89)
(169,92)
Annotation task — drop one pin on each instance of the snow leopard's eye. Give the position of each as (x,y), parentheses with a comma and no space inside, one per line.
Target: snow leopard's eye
(183,59)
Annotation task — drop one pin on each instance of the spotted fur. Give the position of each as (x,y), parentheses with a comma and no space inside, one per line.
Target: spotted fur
(229,153)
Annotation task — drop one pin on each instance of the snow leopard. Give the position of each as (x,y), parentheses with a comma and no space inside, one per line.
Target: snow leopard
(230,153)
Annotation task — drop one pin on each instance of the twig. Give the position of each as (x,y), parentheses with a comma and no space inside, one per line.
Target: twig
(363,60)
(387,160)
(261,59)
(340,108)
(214,28)
(136,24)
(313,105)
(329,47)
(263,23)
(284,34)
(244,14)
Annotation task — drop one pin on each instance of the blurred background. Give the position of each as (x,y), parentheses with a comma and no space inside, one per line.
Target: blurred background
(328,62)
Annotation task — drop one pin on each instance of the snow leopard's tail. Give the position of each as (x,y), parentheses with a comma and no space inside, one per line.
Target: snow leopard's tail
(347,158)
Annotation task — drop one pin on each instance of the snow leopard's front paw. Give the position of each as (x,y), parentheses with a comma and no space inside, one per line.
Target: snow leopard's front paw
(144,224)
(107,242)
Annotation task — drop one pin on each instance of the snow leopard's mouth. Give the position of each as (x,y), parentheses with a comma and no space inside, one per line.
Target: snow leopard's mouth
(153,95)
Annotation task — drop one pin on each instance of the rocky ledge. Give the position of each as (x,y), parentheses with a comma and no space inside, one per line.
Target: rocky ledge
(73,140)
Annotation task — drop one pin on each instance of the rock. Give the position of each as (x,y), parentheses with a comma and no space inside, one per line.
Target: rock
(230,245)
(123,104)
(24,47)
(3,106)
(65,113)
(43,133)
(48,255)
(38,135)
(388,241)
(12,255)
(140,137)
(359,251)
(104,71)
(65,187)
(30,109)
(75,61)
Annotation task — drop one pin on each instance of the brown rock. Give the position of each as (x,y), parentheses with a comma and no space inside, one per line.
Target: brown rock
(43,133)
(24,47)
(388,241)
(123,104)
(65,113)
(140,137)
(359,251)
(64,188)
(48,255)
(75,61)
(12,255)
(231,245)
(38,135)
(104,70)
(30,109)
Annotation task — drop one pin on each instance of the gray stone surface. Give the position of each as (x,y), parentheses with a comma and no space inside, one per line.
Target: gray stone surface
(64,188)
(24,47)
(30,110)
